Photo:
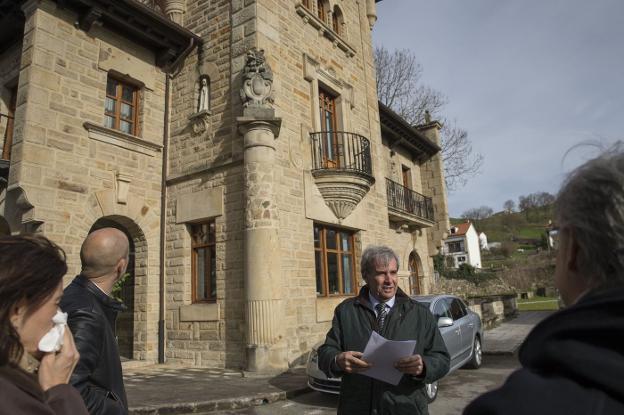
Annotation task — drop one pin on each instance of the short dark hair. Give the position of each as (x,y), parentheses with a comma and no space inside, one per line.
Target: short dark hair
(31,267)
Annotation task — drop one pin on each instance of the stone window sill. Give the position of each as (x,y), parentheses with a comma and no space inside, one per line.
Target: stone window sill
(326,30)
(199,312)
(121,139)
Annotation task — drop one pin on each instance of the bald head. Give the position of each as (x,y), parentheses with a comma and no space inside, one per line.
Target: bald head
(104,252)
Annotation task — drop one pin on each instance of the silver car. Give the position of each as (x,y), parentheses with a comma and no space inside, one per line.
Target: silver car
(460,328)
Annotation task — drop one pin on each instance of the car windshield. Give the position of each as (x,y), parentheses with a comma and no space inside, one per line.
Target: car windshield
(425,303)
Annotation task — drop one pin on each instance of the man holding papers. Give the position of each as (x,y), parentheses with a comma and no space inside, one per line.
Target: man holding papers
(384,309)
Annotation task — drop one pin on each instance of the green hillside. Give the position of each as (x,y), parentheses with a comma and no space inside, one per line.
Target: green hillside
(501,227)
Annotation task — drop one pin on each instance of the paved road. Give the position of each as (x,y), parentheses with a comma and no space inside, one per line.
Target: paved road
(456,391)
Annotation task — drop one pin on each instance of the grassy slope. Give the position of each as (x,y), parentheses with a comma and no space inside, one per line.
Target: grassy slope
(503,227)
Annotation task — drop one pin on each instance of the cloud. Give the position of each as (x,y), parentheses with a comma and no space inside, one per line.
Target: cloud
(528,80)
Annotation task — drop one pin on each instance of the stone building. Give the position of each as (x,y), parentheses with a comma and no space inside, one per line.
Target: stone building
(240,146)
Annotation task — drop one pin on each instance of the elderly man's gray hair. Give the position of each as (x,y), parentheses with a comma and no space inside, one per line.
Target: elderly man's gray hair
(591,203)
(375,255)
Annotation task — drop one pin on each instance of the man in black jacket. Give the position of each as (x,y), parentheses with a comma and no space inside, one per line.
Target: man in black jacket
(573,361)
(381,306)
(92,313)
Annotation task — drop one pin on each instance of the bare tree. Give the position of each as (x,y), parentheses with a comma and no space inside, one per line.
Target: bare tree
(399,87)
(509,206)
(479,213)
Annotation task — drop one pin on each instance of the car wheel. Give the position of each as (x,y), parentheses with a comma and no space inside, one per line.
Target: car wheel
(477,355)
(431,389)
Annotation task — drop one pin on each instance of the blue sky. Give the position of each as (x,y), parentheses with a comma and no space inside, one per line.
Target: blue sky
(528,80)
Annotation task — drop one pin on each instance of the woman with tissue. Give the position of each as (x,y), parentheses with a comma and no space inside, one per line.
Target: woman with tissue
(37,353)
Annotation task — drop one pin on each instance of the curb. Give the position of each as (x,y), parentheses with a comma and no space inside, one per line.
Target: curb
(217,404)
(500,352)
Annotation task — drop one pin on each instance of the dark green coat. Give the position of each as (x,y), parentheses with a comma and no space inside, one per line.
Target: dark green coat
(354,321)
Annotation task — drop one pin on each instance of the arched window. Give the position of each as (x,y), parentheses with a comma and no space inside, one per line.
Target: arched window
(322,9)
(337,20)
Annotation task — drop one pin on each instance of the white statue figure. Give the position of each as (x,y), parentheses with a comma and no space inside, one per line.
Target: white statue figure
(204,96)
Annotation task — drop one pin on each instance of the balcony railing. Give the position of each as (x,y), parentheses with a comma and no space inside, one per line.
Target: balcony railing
(408,201)
(6,131)
(339,150)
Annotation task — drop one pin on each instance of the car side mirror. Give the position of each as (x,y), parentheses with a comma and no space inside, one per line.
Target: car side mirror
(445,322)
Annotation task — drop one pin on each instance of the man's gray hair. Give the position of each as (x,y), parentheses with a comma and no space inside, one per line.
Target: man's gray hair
(591,203)
(375,255)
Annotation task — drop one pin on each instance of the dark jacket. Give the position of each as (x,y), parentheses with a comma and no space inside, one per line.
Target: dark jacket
(353,323)
(91,318)
(572,363)
(20,393)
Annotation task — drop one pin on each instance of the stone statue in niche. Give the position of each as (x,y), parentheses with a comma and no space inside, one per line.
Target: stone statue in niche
(204,95)
(257,81)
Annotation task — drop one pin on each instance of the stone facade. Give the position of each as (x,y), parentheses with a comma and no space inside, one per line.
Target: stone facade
(252,172)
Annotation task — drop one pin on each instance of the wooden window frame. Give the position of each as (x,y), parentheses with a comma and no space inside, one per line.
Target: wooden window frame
(8,132)
(337,19)
(321,12)
(323,250)
(327,104)
(118,97)
(210,249)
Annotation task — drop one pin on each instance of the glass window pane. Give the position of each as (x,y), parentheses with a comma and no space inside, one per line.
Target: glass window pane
(317,237)
(125,126)
(109,122)
(330,241)
(346,241)
(213,273)
(200,267)
(318,262)
(332,272)
(126,110)
(111,87)
(127,93)
(110,105)
(347,274)
(441,309)
(329,146)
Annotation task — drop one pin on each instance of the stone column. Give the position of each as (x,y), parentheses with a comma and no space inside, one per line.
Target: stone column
(433,179)
(266,347)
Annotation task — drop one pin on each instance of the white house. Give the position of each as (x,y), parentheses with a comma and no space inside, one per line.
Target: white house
(483,242)
(462,245)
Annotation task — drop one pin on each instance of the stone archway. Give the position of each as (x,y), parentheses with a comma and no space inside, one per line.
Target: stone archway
(141,221)
(415,269)
(125,327)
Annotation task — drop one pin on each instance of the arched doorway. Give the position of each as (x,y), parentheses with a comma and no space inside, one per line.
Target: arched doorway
(125,321)
(415,267)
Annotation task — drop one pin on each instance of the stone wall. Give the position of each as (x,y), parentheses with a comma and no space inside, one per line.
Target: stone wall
(69,169)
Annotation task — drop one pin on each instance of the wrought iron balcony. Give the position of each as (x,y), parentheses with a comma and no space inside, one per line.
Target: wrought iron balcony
(342,169)
(406,205)
(339,150)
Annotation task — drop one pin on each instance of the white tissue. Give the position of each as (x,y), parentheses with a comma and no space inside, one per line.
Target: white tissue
(53,340)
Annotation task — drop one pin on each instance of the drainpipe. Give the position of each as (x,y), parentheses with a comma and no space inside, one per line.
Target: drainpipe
(163,224)
(169,75)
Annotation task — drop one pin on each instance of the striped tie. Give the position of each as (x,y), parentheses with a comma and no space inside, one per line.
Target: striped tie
(381,315)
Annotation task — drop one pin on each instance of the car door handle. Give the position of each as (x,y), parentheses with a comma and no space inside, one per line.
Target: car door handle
(471,325)
(457,331)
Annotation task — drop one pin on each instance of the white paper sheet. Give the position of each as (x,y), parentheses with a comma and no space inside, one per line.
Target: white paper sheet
(383,354)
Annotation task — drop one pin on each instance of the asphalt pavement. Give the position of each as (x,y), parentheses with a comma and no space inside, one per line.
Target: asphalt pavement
(165,389)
